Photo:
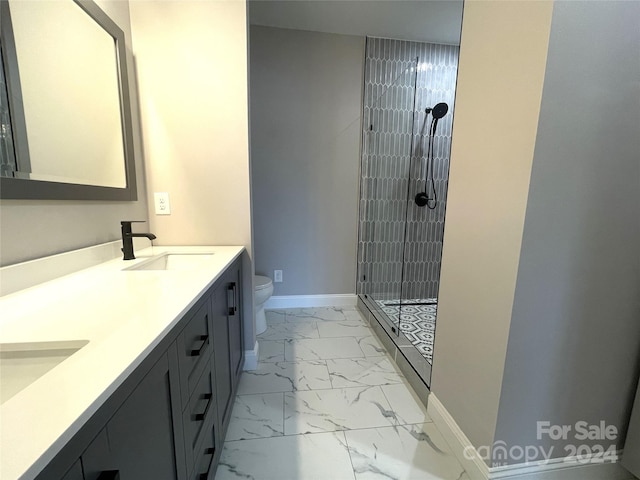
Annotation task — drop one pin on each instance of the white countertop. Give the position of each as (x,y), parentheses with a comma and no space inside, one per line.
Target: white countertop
(123,315)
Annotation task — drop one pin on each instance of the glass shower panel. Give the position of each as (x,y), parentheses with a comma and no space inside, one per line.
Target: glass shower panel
(407,122)
(386,159)
(435,84)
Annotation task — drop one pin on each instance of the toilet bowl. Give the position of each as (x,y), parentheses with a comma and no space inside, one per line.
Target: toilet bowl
(263,289)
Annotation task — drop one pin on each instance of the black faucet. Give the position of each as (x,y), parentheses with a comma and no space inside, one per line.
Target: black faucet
(127,238)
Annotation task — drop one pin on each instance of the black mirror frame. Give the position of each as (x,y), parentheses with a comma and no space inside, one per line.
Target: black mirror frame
(26,189)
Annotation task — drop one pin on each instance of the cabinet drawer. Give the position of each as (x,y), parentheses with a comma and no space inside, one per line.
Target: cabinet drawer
(201,411)
(204,461)
(194,350)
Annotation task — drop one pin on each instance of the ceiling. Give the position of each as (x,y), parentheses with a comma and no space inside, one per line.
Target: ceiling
(433,21)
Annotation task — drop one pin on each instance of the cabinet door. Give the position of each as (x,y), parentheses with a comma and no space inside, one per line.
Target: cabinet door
(74,473)
(236,330)
(221,356)
(138,441)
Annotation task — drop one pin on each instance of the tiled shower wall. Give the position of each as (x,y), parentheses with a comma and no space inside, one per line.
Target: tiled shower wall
(394,233)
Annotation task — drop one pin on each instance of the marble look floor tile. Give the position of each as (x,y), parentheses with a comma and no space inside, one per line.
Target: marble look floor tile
(344,328)
(371,346)
(270,350)
(402,452)
(357,372)
(352,313)
(287,331)
(337,409)
(275,316)
(319,456)
(322,348)
(284,377)
(405,405)
(256,416)
(322,314)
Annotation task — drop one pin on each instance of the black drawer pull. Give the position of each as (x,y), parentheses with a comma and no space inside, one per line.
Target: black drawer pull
(200,416)
(197,351)
(205,476)
(110,475)
(231,299)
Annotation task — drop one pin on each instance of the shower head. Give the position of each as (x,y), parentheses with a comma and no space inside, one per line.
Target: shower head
(440,110)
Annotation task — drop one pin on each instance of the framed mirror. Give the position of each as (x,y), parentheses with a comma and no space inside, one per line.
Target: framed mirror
(65,109)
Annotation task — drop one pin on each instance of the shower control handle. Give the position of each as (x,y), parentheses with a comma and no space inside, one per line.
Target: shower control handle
(421,199)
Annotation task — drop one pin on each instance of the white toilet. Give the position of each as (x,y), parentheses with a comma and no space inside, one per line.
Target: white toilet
(263,289)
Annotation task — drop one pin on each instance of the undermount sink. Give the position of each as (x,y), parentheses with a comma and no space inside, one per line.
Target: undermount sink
(21,364)
(175,261)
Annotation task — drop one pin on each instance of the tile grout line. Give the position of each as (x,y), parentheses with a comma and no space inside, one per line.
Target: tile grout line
(346,442)
(391,406)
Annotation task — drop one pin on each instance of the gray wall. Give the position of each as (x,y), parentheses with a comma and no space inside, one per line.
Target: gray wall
(306,93)
(574,342)
(30,229)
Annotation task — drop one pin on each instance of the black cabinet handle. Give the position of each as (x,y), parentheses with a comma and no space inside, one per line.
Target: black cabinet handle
(235,297)
(207,451)
(201,416)
(111,475)
(197,351)
(231,299)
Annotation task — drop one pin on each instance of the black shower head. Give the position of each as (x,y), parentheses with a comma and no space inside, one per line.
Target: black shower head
(440,110)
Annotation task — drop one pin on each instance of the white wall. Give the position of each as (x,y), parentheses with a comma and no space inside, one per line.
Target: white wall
(192,66)
(35,228)
(306,92)
(500,76)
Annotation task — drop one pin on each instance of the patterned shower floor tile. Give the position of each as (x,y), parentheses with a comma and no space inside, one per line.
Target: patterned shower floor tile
(417,321)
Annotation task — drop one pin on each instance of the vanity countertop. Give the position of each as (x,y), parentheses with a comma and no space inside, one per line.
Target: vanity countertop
(123,314)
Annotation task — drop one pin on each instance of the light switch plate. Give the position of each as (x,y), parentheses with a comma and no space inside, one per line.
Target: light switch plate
(161,200)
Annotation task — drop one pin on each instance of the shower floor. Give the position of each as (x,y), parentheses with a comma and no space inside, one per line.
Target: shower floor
(417,321)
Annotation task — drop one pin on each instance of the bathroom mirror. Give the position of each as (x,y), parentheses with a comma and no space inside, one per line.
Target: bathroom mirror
(65,114)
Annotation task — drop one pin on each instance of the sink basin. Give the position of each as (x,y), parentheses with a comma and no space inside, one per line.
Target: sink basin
(175,261)
(21,364)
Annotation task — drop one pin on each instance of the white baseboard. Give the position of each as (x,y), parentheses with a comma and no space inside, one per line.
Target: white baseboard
(308,301)
(562,469)
(475,467)
(251,358)
(555,469)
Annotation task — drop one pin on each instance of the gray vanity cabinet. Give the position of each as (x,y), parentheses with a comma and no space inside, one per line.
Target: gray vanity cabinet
(168,419)
(138,441)
(222,355)
(75,473)
(236,329)
(227,338)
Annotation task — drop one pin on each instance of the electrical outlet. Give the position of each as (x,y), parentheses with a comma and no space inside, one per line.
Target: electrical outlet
(161,200)
(277,276)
